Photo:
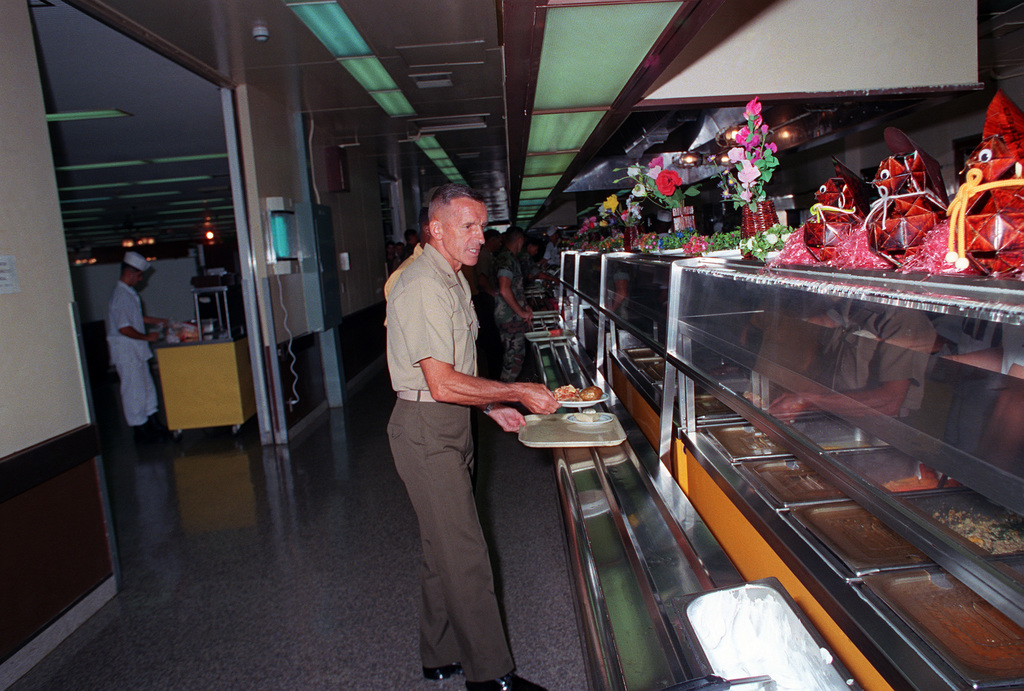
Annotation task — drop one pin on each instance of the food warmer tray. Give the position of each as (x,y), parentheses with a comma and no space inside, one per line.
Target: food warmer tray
(982,644)
(861,541)
(975,521)
(893,470)
(790,481)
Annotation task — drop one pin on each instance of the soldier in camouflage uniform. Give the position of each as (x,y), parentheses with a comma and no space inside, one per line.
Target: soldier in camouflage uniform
(511,313)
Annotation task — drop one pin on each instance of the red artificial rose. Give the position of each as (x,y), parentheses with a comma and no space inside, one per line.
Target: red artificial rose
(667,181)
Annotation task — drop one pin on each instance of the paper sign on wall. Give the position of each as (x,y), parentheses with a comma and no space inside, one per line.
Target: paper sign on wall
(8,275)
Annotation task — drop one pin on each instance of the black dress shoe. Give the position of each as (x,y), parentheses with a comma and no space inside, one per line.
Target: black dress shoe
(509,682)
(442,672)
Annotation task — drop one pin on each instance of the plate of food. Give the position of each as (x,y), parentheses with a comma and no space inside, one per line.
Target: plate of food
(589,419)
(571,397)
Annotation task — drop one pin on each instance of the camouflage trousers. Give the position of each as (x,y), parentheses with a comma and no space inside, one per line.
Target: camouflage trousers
(513,346)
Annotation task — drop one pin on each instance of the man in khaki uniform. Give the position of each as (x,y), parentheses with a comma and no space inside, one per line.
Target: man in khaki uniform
(431,354)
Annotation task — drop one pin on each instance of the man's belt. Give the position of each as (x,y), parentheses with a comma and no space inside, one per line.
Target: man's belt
(419,396)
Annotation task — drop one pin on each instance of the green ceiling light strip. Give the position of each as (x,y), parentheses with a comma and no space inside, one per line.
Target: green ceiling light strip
(561,131)
(597,76)
(101,166)
(145,195)
(331,25)
(370,73)
(167,181)
(394,103)
(537,182)
(100,186)
(534,194)
(432,148)
(188,159)
(85,200)
(87,115)
(547,164)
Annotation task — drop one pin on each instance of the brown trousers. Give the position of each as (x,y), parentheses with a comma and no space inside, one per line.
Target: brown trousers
(459,617)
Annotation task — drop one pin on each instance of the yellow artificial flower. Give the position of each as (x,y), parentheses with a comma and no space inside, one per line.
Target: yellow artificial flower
(611,203)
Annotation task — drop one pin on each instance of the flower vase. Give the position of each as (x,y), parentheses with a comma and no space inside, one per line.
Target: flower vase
(757,221)
(629,238)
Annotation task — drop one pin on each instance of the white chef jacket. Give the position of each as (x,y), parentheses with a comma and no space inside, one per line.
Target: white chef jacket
(125,309)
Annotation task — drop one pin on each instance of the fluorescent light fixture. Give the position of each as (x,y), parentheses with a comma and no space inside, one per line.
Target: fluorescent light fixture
(331,25)
(100,186)
(597,76)
(547,164)
(427,143)
(144,195)
(101,166)
(71,212)
(87,115)
(537,182)
(185,202)
(561,131)
(186,159)
(394,103)
(85,200)
(370,73)
(87,219)
(535,194)
(165,181)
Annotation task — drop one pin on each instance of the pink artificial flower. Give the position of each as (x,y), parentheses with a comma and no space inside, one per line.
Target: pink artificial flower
(753,108)
(764,129)
(774,149)
(741,136)
(657,162)
(746,195)
(737,154)
(748,173)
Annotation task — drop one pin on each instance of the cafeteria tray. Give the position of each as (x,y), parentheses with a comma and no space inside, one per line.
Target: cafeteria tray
(548,335)
(744,442)
(553,431)
(860,540)
(975,521)
(792,482)
(978,640)
(893,470)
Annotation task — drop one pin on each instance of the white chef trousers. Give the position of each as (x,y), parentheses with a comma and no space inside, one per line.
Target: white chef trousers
(138,392)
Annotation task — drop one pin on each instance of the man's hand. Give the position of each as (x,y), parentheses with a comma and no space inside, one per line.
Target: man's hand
(509,419)
(537,398)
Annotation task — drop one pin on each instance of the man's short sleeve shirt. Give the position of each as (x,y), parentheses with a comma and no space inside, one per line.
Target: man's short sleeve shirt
(429,314)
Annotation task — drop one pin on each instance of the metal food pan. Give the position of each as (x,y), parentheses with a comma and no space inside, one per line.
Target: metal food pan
(635,353)
(979,641)
(893,470)
(792,482)
(975,520)
(859,539)
(744,442)
(832,434)
(756,630)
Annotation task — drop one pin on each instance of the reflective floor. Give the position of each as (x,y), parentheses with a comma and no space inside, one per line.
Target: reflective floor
(246,567)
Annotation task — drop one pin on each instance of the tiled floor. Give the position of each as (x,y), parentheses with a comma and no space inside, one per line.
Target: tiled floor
(295,568)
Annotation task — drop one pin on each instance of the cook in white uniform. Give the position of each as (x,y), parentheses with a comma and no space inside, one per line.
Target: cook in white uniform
(130,352)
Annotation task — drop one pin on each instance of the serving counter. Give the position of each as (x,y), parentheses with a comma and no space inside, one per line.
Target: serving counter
(851,434)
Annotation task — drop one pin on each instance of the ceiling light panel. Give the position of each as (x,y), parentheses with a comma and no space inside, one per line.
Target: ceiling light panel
(331,25)
(551,132)
(370,73)
(538,182)
(394,103)
(597,76)
(547,164)
(86,115)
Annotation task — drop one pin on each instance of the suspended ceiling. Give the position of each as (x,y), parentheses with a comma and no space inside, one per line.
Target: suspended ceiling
(519,96)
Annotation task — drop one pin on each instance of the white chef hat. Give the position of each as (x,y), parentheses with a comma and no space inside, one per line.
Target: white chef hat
(135,260)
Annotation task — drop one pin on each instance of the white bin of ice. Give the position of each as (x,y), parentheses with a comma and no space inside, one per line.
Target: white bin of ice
(754,629)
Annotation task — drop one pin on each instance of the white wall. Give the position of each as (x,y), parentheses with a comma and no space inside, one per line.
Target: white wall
(166,291)
(809,46)
(42,391)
